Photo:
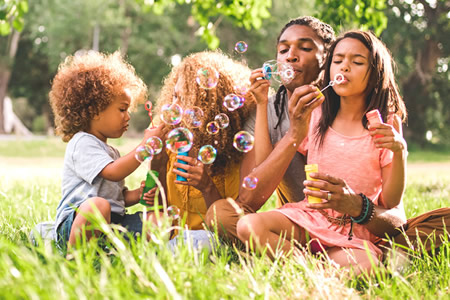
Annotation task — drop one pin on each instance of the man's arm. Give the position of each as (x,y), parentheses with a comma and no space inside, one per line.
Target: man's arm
(270,172)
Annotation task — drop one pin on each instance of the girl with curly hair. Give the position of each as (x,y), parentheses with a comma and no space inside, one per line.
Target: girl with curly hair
(91,96)
(205,183)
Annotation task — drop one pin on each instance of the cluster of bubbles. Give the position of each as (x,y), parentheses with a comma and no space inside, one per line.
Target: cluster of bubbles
(180,139)
(278,71)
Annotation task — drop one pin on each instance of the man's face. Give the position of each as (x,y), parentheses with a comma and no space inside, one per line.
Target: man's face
(300,46)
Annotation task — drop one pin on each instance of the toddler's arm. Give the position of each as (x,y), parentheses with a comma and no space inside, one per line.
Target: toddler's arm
(125,165)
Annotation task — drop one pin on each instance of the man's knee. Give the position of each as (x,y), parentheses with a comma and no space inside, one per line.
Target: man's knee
(221,215)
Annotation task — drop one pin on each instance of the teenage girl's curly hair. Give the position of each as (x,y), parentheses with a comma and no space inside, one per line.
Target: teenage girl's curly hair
(232,74)
(86,84)
(324,31)
(381,91)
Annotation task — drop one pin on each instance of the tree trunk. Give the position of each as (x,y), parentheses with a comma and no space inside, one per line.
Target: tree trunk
(416,89)
(5,73)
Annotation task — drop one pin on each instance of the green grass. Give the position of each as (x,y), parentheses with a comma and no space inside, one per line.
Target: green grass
(148,270)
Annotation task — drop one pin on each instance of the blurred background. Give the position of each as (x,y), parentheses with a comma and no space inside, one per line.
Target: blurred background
(35,36)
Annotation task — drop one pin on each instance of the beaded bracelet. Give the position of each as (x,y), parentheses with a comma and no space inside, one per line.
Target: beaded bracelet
(367,211)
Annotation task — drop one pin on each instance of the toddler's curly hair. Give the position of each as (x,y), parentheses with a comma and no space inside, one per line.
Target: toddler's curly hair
(232,75)
(86,84)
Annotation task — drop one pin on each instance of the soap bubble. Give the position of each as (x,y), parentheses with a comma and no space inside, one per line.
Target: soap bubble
(207,77)
(179,140)
(243,141)
(155,144)
(222,120)
(143,154)
(212,127)
(207,154)
(232,102)
(278,71)
(193,116)
(250,182)
(173,211)
(241,47)
(171,113)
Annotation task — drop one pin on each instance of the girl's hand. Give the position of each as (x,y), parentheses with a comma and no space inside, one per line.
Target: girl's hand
(259,88)
(336,194)
(196,174)
(149,197)
(392,137)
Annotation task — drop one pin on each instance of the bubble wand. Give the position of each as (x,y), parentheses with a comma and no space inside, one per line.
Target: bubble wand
(146,154)
(338,79)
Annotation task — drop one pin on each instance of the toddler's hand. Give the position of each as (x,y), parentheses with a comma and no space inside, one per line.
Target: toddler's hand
(392,138)
(148,197)
(160,131)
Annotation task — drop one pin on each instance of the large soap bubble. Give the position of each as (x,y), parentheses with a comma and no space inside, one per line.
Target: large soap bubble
(207,77)
(232,102)
(143,154)
(222,120)
(241,47)
(193,116)
(212,127)
(155,144)
(179,140)
(207,154)
(243,141)
(171,114)
(278,71)
(250,182)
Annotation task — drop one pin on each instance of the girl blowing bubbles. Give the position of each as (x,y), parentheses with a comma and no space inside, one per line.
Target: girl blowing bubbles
(90,97)
(350,159)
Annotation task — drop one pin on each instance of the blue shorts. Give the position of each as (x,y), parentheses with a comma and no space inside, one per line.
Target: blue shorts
(132,222)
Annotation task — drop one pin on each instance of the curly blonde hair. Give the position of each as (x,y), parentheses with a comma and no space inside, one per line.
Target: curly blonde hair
(86,84)
(232,75)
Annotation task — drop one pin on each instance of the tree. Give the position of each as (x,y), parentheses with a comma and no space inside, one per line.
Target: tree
(11,23)
(418,38)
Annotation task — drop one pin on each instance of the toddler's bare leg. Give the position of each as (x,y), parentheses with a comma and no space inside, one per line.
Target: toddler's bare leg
(80,220)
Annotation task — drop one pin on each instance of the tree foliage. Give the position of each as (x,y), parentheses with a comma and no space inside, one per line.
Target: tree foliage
(12,15)
(152,32)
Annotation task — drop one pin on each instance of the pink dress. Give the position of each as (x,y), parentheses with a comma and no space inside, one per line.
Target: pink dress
(353,159)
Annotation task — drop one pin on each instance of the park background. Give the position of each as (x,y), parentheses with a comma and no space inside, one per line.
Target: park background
(35,36)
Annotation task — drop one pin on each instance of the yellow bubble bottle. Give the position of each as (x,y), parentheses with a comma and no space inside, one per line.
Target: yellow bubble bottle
(312,168)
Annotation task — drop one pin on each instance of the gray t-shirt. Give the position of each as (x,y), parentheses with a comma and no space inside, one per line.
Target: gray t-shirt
(290,189)
(85,158)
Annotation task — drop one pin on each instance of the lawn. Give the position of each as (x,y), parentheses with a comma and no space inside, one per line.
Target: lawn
(30,191)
